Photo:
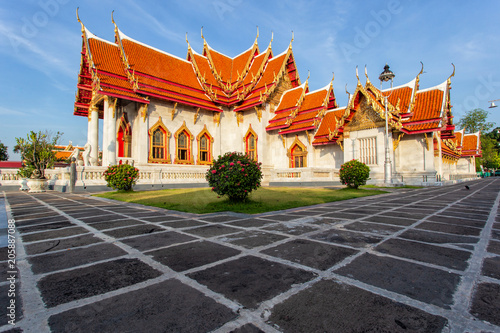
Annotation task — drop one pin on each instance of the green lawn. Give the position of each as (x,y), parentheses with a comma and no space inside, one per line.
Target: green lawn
(265,199)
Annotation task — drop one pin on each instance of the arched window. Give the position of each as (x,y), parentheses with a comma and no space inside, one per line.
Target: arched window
(183,138)
(158,143)
(297,154)
(250,139)
(205,141)
(124,138)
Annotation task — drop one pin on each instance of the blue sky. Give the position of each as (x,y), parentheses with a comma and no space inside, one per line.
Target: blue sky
(40,44)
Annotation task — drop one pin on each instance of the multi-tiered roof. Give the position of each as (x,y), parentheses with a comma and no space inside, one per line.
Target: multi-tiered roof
(131,70)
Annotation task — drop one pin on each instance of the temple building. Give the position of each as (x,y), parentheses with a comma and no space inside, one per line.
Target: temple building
(171,117)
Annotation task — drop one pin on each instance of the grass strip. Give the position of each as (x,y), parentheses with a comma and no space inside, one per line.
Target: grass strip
(265,199)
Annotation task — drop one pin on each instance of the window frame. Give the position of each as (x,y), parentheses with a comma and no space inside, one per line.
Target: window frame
(205,134)
(292,155)
(249,134)
(166,140)
(189,149)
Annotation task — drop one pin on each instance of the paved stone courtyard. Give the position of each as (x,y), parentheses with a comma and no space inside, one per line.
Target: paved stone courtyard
(425,260)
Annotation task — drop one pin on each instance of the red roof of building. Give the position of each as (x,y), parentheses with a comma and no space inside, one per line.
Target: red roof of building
(10,164)
(131,70)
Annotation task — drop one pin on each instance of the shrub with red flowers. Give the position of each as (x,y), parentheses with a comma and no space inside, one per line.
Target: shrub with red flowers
(234,175)
(354,173)
(121,177)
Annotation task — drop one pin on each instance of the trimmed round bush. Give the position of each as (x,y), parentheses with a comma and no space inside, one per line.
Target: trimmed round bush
(234,175)
(121,177)
(354,173)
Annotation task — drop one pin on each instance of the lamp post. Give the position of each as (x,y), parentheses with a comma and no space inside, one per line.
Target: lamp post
(385,76)
(493,105)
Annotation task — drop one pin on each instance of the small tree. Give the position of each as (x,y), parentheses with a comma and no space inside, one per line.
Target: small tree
(234,175)
(121,177)
(37,152)
(475,120)
(354,174)
(4,156)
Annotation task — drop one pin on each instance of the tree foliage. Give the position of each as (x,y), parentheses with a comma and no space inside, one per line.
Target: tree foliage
(4,156)
(474,121)
(489,147)
(234,175)
(354,173)
(37,151)
(121,177)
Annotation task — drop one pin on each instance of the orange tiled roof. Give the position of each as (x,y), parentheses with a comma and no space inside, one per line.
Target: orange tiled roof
(290,98)
(328,125)
(132,70)
(428,105)
(310,109)
(470,142)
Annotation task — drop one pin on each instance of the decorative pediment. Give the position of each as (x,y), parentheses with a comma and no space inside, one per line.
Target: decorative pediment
(365,118)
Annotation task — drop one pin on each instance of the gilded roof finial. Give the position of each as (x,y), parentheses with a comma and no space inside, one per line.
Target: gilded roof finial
(113,21)
(271,41)
(292,37)
(452,74)
(357,75)
(348,94)
(366,74)
(257,32)
(308,74)
(422,70)
(78,18)
(202,33)
(333,76)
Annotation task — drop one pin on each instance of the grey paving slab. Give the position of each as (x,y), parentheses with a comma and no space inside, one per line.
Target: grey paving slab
(290,228)
(354,239)
(134,230)
(349,309)
(438,238)
(420,282)
(494,247)
(157,240)
(61,244)
(450,229)
(213,230)
(116,224)
(100,218)
(46,226)
(374,228)
(169,306)
(73,258)
(252,238)
(187,223)
(432,254)
(251,280)
(390,220)
(65,232)
(93,280)
(250,223)
(219,218)
(248,328)
(486,303)
(491,267)
(186,256)
(457,221)
(313,254)
(164,218)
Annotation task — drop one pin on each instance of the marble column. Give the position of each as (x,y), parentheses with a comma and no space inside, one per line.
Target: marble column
(109,133)
(142,141)
(93,134)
